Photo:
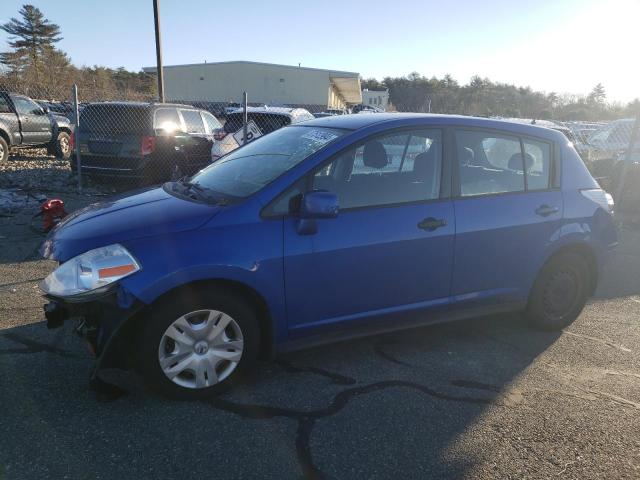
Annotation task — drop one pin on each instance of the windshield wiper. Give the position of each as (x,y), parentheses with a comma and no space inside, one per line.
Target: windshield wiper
(198,192)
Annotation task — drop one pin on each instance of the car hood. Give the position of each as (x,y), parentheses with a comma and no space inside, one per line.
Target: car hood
(141,214)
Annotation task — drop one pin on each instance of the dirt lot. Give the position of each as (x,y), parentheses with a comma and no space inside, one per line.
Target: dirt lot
(488,398)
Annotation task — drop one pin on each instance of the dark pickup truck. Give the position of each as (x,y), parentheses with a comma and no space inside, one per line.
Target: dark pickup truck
(25,124)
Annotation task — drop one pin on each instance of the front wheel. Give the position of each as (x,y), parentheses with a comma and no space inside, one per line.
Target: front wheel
(560,292)
(197,345)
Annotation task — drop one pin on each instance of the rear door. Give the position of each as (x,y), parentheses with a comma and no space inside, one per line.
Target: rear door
(505,219)
(34,123)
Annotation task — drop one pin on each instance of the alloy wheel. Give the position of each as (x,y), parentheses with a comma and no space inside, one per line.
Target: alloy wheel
(64,145)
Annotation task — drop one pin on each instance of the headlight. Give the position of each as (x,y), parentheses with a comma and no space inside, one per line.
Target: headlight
(91,271)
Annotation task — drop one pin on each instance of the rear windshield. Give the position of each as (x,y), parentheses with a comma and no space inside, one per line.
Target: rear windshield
(266,122)
(115,119)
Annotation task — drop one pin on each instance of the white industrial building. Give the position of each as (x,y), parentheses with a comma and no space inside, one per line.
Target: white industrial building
(376,98)
(264,83)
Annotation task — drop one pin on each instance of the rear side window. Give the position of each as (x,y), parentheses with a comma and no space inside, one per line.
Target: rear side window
(211,123)
(115,119)
(4,105)
(491,163)
(193,121)
(167,119)
(538,156)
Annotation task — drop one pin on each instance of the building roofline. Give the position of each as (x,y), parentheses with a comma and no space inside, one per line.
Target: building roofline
(341,72)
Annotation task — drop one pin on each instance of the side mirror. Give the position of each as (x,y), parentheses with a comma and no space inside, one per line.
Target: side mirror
(319,205)
(45,110)
(316,205)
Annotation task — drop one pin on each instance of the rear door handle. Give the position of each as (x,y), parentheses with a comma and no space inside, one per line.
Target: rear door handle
(546,210)
(430,224)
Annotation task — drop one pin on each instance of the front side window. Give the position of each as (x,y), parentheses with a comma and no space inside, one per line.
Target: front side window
(192,121)
(392,169)
(253,166)
(24,106)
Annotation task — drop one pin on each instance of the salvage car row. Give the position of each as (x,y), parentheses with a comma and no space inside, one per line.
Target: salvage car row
(155,142)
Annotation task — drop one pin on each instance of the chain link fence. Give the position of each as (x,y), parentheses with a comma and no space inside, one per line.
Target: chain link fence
(124,138)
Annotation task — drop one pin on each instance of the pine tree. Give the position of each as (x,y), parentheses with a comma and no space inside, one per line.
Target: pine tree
(598,94)
(32,38)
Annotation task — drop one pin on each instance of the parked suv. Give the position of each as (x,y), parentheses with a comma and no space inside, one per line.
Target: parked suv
(329,229)
(25,124)
(145,141)
(265,120)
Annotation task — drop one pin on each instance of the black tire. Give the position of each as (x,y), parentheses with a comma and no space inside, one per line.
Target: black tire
(4,150)
(63,146)
(167,310)
(560,292)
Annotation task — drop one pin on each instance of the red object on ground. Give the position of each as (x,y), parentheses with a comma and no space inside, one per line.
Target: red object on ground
(52,212)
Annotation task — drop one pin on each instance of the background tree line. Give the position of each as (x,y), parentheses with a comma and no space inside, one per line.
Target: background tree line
(482,97)
(34,66)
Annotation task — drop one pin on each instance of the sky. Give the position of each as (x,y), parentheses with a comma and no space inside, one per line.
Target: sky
(564,46)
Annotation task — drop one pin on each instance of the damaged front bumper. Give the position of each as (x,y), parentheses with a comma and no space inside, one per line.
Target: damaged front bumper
(105,323)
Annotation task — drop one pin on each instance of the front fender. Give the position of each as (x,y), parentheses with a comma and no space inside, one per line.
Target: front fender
(247,254)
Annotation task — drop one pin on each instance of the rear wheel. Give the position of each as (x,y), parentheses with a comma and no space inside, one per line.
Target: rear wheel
(560,292)
(198,345)
(63,146)
(4,150)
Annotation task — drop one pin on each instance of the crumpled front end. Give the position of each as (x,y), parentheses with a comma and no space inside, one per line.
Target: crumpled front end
(103,322)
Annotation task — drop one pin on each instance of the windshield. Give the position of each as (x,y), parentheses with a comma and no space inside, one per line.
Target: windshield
(248,169)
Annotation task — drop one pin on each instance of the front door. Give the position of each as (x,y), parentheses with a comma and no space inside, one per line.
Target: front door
(507,213)
(390,249)
(35,124)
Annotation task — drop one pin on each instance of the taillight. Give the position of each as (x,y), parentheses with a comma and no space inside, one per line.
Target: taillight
(219,134)
(72,141)
(147,145)
(599,196)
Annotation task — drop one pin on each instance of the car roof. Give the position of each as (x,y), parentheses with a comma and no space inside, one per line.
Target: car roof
(289,111)
(145,104)
(357,121)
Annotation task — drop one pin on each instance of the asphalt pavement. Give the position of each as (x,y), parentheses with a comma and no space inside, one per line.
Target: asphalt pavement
(485,398)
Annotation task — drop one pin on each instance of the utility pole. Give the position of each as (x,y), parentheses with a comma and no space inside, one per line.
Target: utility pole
(156,19)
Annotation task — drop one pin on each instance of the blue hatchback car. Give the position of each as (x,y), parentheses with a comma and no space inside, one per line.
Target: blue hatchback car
(332,228)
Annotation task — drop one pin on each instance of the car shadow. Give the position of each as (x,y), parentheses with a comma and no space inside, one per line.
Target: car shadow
(620,276)
(407,396)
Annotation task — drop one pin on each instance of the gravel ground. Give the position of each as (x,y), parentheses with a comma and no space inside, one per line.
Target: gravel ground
(486,398)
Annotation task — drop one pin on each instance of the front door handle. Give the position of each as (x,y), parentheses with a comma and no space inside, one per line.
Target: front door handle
(546,210)
(430,224)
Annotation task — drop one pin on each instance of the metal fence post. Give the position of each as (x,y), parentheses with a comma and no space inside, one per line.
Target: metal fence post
(245,118)
(76,135)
